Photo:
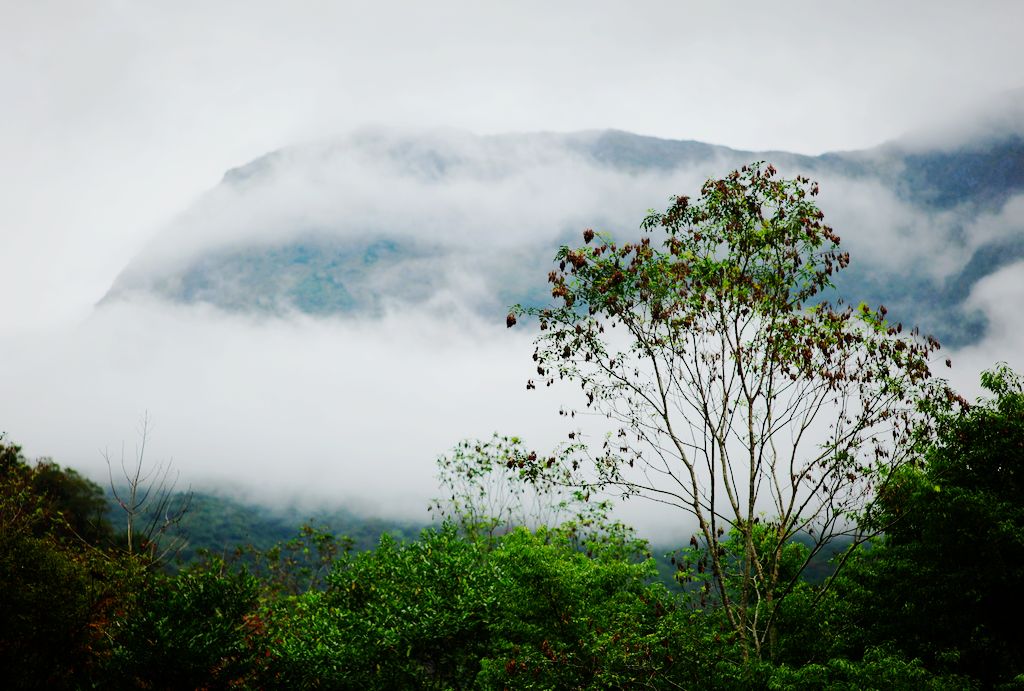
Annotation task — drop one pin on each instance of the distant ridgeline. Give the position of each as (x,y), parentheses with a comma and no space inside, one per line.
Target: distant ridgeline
(221,526)
(449,220)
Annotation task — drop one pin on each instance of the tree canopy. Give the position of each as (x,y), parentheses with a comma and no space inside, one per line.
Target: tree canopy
(939,587)
(737,391)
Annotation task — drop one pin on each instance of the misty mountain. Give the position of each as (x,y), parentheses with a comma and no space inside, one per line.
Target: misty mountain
(449,221)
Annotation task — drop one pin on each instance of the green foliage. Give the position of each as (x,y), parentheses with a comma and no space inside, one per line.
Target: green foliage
(879,670)
(53,581)
(80,502)
(402,616)
(939,587)
(528,610)
(735,387)
(567,620)
(197,629)
(494,486)
(299,564)
(488,492)
(577,606)
(50,611)
(220,525)
(529,582)
(48,500)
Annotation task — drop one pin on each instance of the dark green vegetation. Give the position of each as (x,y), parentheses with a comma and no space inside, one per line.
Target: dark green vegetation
(220,525)
(926,607)
(527,582)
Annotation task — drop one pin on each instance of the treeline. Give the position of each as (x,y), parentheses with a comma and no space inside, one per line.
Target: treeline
(237,529)
(219,524)
(576,605)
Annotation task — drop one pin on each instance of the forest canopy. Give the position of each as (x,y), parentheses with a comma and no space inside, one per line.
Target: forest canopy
(739,387)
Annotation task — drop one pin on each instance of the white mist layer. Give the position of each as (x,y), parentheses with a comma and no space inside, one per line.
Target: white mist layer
(324,411)
(351,413)
(1000,297)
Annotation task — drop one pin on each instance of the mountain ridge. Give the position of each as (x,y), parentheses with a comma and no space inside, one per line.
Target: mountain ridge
(378,219)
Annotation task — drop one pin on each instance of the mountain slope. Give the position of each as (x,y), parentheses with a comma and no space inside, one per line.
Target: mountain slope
(451,221)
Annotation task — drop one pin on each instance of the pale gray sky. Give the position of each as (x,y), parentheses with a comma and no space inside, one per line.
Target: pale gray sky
(117,114)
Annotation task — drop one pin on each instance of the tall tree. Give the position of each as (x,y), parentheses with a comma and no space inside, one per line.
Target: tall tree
(737,392)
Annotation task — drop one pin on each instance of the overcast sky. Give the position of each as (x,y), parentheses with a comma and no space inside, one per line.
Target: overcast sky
(117,115)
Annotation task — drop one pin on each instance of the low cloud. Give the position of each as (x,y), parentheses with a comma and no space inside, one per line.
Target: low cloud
(441,189)
(296,408)
(292,410)
(971,125)
(999,296)
(885,234)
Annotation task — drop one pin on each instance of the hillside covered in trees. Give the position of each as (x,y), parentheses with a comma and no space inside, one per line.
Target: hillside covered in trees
(785,422)
(448,608)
